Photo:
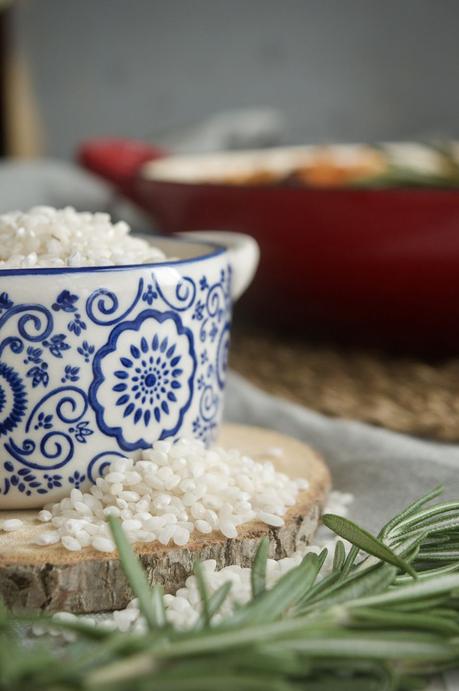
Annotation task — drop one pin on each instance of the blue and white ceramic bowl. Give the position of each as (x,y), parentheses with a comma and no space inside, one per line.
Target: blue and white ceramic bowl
(97,363)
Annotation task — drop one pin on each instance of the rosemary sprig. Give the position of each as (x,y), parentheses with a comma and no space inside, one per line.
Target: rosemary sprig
(386,617)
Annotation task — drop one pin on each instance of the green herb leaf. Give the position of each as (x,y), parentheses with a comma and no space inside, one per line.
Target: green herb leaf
(258,573)
(378,618)
(374,580)
(374,646)
(217,599)
(365,541)
(339,556)
(350,560)
(411,509)
(289,589)
(153,611)
(202,589)
(414,591)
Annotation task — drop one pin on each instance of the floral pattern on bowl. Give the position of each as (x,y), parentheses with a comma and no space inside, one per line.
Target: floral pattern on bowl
(88,375)
(145,375)
(97,363)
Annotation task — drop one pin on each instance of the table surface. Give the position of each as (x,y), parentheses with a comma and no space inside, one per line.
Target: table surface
(399,393)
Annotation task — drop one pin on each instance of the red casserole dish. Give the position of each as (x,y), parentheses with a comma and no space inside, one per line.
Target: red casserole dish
(372,266)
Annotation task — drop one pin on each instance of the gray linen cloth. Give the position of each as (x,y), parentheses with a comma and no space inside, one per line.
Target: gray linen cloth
(383,470)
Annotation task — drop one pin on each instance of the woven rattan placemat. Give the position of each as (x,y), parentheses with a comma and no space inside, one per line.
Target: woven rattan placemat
(399,393)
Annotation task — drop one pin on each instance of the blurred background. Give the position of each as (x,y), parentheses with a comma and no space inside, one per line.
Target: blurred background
(373,332)
(360,70)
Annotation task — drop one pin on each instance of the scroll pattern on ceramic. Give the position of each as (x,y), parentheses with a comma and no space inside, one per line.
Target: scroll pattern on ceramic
(131,368)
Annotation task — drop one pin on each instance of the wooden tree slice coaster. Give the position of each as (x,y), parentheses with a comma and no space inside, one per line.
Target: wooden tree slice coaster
(54,579)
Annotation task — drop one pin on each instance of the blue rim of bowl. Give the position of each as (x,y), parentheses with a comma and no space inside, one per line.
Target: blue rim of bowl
(216,251)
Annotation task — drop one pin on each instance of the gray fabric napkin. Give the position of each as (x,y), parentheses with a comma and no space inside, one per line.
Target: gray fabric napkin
(384,470)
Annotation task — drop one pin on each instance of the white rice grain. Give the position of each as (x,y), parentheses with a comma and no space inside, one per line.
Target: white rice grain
(11,524)
(56,238)
(160,497)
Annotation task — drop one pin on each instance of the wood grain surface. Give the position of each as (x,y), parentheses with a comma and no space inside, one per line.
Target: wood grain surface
(54,579)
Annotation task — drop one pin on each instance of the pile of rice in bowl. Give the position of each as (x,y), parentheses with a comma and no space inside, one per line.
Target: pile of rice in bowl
(45,237)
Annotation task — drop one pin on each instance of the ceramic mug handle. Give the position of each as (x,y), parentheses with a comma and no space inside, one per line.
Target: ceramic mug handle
(243,251)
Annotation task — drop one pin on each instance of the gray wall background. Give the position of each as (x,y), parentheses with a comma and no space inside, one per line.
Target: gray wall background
(338,69)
